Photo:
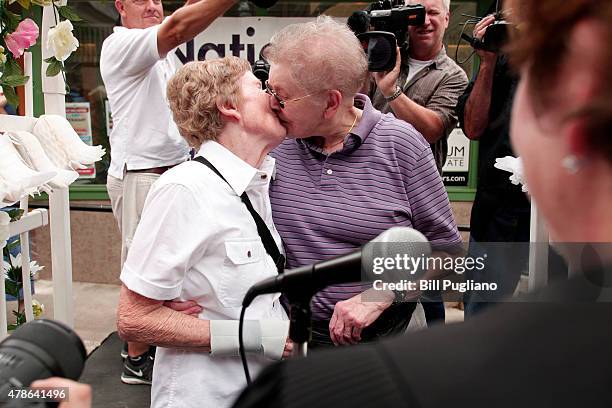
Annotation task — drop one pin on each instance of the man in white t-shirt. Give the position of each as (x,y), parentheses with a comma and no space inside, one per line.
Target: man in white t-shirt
(135,64)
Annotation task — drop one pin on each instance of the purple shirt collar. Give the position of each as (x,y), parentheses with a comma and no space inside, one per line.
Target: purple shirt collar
(358,135)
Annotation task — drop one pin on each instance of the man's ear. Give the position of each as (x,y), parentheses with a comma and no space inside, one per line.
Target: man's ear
(334,100)
(120,7)
(229,111)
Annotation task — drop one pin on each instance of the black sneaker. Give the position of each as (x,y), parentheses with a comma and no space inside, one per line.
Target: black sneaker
(124,351)
(138,370)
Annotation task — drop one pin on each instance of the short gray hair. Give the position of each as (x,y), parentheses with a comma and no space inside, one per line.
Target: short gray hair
(446,4)
(194,92)
(321,54)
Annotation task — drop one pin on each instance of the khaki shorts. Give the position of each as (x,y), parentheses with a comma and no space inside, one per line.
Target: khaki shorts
(127,199)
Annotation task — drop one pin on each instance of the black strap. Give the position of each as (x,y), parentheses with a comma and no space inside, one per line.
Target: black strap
(262,228)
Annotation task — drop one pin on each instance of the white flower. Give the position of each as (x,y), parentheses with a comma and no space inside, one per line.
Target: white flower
(513,165)
(61,40)
(4,228)
(37,308)
(16,263)
(2,55)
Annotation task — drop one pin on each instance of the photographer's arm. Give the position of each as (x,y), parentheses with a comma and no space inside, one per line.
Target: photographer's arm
(476,115)
(426,121)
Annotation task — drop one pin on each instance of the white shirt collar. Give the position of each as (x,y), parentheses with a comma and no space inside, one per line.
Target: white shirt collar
(238,173)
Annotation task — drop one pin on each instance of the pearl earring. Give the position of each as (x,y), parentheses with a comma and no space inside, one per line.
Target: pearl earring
(572,164)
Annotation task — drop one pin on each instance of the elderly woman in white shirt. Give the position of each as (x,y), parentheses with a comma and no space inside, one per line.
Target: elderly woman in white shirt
(196,240)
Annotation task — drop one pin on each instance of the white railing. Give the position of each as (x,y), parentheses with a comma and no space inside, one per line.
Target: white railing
(59,204)
(61,256)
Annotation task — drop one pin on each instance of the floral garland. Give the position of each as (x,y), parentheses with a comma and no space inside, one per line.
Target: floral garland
(17,34)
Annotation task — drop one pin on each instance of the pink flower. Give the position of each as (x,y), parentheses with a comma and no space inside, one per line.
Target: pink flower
(23,38)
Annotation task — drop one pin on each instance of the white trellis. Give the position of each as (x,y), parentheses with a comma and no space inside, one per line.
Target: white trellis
(59,206)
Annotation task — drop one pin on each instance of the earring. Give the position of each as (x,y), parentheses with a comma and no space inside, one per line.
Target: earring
(572,164)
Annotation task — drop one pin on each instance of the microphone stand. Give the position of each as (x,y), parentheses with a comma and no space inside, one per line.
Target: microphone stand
(300,326)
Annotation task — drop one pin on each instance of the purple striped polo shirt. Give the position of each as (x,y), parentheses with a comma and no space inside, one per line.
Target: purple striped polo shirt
(328,205)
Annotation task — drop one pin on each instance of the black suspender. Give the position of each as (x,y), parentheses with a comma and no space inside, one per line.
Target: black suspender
(262,228)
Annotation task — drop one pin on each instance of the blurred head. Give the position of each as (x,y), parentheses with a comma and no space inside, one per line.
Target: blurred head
(140,13)
(207,96)
(562,115)
(322,59)
(427,39)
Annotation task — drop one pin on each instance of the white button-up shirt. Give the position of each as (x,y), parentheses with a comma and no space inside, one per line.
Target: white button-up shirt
(196,240)
(144,135)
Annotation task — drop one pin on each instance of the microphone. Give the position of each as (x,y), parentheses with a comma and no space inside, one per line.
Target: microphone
(305,281)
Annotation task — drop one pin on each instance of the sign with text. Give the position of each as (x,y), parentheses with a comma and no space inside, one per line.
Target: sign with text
(242,37)
(457,166)
(79,116)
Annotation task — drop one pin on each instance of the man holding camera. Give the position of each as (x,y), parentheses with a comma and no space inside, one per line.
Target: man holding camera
(422,89)
(135,64)
(501,211)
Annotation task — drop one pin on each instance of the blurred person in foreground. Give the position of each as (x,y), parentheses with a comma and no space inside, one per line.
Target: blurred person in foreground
(197,240)
(346,173)
(553,349)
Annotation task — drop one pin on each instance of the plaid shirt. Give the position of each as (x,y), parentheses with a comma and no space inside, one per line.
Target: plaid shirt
(436,87)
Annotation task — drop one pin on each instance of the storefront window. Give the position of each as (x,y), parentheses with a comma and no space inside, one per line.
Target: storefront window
(87,97)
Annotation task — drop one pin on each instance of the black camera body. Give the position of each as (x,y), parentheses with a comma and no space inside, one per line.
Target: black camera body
(496,36)
(389,23)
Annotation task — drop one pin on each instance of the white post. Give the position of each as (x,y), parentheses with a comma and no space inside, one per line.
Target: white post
(54,89)
(29,89)
(3,320)
(538,250)
(24,240)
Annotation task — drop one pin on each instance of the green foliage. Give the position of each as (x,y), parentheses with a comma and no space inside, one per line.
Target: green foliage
(15,213)
(69,14)
(54,67)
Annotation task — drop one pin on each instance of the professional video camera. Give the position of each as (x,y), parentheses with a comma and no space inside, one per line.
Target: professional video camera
(389,22)
(495,38)
(37,350)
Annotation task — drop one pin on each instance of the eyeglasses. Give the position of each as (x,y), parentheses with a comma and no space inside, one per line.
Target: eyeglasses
(281,101)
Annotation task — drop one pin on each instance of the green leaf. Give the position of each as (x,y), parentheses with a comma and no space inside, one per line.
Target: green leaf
(54,68)
(11,288)
(49,60)
(11,67)
(15,213)
(11,96)
(12,245)
(14,80)
(69,14)
(11,20)
(24,3)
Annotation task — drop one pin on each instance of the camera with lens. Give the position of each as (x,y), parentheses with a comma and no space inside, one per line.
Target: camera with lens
(261,67)
(37,350)
(495,37)
(381,27)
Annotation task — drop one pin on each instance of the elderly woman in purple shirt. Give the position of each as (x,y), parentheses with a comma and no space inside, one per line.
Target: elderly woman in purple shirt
(347,173)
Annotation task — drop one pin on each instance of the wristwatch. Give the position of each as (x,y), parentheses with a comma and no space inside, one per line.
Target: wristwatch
(395,95)
(398,296)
